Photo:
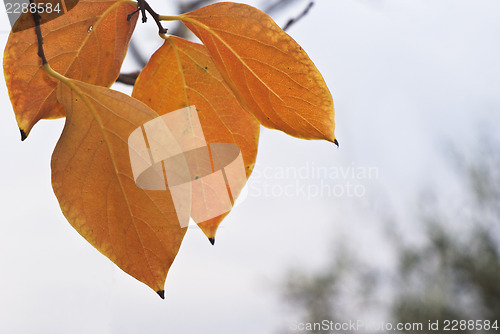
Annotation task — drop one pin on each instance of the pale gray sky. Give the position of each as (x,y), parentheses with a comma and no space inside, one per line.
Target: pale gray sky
(406,76)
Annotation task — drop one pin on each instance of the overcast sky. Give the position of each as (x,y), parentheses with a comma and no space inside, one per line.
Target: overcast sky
(406,76)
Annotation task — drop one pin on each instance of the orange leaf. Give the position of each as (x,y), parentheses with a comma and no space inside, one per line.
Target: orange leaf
(88,43)
(180,74)
(93,180)
(268,71)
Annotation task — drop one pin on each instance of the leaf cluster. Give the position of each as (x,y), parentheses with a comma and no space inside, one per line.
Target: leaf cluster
(247,72)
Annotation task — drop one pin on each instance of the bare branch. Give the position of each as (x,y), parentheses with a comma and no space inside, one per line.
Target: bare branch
(278,5)
(294,20)
(190,6)
(181,30)
(143,7)
(128,78)
(136,54)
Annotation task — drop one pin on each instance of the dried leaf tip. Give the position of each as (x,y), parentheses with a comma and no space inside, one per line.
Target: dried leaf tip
(161,293)
(23,135)
(335,141)
(212,241)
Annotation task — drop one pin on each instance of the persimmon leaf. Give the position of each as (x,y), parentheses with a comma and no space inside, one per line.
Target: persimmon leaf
(88,43)
(269,72)
(93,180)
(180,74)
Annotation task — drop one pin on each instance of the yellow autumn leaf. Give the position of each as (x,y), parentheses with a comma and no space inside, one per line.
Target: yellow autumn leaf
(94,183)
(88,43)
(181,74)
(268,71)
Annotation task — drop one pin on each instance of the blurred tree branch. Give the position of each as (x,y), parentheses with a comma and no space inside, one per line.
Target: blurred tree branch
(452,274)
(294,20)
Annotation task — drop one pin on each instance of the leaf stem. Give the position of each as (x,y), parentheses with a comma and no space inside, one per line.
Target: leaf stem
(170,17)
(41,53)
(56,75)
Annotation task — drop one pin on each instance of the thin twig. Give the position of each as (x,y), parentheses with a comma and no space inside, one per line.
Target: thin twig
(143,7)
(156,17)
(128,78)
(294,20)
(136,54)
(278,5)
(180,29)
(184,8)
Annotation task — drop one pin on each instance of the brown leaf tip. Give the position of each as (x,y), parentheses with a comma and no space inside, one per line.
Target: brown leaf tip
(161,293)
(336,142)
(23,134)
(212,241)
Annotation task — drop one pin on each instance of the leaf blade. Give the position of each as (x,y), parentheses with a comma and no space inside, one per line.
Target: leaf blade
(72,41)
(93,181)
(268,71)
(181,73)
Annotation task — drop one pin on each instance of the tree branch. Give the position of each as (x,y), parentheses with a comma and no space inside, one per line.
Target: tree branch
(180,29)
(128,78)
(136,54)
(143,7)
(184,8)
(278,5)
(294,20)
